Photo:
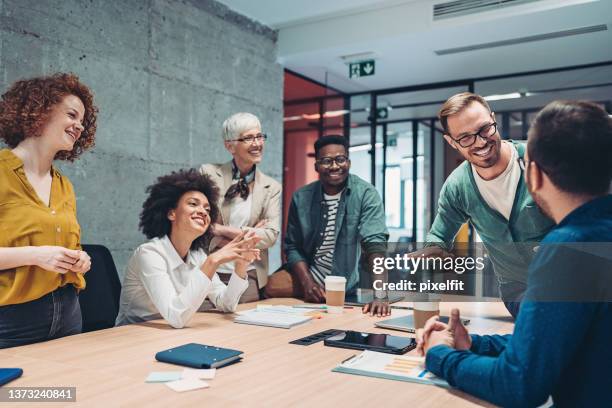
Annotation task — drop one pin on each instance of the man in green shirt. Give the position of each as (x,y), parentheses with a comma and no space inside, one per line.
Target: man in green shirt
(487,190)
(331,222)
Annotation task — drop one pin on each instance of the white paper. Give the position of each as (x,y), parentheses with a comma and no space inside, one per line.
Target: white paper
(200,374)
(163,376)
(187,384)
(272,317)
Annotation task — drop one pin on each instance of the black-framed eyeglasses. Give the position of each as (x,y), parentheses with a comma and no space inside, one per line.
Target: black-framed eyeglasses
(327,162)
(524,164)
(485,132)
(259,138)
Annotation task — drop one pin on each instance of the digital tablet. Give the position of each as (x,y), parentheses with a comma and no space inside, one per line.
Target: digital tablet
(365,297)
(406,323)
(384,343)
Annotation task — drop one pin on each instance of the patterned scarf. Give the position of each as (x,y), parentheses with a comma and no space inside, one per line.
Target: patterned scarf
(242,186)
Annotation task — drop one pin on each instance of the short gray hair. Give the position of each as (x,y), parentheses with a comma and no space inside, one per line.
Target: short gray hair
(238,123)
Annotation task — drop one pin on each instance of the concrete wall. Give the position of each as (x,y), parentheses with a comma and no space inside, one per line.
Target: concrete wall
(165,75)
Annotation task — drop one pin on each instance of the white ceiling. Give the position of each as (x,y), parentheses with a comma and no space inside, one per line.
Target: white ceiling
(313,34)
(278,13)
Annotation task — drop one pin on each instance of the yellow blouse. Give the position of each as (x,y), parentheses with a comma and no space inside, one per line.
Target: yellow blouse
(26,221)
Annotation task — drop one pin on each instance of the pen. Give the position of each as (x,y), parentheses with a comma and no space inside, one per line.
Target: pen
(318,307)
(344,361)
(307,306)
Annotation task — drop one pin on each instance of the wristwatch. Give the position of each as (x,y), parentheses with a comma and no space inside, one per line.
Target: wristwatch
(381,295)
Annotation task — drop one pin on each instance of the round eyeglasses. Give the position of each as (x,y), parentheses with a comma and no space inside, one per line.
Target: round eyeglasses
(329,161)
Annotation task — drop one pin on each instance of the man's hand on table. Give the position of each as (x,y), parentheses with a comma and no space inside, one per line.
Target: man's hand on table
(377,307)
(313,292)
(435,333)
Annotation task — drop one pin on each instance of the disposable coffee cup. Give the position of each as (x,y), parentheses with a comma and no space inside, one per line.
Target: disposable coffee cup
(335,288)
(423,311)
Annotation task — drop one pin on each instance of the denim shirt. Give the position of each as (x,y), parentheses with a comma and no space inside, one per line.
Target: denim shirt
(360,222)
(557,348)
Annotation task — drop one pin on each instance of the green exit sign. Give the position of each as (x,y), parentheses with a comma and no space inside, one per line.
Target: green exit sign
(362,68)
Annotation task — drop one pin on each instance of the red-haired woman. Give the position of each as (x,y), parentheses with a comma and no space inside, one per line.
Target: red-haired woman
(41,262)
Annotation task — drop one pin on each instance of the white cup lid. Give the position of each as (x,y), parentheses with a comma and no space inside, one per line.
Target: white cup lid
(335,279)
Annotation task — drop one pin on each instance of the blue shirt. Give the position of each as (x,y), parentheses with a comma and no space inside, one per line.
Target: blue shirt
(563,349)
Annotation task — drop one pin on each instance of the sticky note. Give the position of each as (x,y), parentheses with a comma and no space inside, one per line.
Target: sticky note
(200,374)
(187,384)
(163,376)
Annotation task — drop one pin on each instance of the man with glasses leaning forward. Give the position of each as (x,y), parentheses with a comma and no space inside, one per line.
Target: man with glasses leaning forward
(330,222)
(488,191)
(248,199)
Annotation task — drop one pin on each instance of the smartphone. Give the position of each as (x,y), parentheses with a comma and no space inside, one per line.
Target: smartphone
(384,343)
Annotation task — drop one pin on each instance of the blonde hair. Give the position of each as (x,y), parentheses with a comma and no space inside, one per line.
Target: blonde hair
(239,123)
(458,103)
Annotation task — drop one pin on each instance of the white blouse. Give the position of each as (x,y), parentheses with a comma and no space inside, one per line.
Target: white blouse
(158,283)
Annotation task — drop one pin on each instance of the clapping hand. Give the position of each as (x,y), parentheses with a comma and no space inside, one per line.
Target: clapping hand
(240,248)
(248,242)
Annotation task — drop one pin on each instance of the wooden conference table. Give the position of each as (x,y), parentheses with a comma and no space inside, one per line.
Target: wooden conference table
(108,367)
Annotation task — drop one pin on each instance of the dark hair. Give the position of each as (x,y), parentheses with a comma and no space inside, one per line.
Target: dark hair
(164,196)
(25,107)
(331,139)
(571,141)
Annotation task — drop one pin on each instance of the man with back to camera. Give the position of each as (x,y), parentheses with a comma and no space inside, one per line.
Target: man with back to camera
(329,222)
(488,191)
(561,340)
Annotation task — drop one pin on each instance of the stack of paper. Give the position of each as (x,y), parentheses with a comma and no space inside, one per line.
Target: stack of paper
(283,317)
(389,366)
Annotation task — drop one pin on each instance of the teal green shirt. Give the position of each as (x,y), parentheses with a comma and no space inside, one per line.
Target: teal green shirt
(360,223)
(510,243)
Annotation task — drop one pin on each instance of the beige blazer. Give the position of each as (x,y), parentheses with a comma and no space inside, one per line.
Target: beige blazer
(266,205)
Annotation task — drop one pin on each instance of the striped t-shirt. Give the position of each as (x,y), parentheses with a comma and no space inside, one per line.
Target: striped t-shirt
(322,264)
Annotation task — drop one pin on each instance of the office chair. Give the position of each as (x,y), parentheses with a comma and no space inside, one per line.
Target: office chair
(100,299)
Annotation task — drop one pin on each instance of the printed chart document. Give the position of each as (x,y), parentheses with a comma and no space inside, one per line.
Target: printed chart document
(389,366)
(283,317)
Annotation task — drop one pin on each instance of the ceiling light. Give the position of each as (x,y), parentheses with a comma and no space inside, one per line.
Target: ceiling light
(360,56)
(513,95)
(316,116)
(367,146)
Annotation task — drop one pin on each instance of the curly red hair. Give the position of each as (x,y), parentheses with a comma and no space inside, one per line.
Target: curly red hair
(24,108)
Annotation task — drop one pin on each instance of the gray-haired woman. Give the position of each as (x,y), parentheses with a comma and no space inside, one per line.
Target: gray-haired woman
(249,200)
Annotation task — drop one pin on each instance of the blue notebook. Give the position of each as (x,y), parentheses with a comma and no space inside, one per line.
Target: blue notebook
(9,374)
(199,356)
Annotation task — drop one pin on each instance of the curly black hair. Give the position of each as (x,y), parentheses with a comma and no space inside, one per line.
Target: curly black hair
(164,196)
(25,107)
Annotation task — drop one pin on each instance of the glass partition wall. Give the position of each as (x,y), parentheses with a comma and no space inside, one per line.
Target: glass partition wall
(396,140)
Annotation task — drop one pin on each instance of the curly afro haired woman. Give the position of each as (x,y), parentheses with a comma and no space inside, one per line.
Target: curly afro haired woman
(170,276)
